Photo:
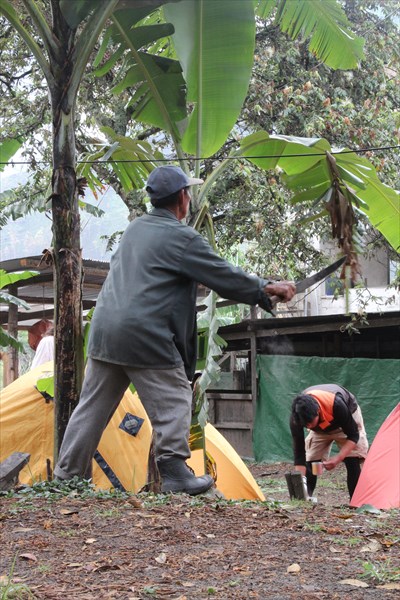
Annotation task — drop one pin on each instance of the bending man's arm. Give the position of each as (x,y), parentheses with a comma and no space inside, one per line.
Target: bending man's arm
(331,463)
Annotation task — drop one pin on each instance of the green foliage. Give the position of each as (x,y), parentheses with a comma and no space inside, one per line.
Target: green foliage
(131,160)
(7,279)
(56,489)
(7,150)
(159,98)
(9,589)
(328,29)
(216,63)
(45,385)
(382,571)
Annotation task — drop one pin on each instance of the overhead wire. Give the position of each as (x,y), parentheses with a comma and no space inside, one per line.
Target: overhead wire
(211,158)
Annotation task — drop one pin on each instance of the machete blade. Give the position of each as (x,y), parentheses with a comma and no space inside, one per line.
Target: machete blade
(320,276)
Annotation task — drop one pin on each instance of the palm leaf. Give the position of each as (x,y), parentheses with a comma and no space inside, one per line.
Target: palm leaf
(325,23)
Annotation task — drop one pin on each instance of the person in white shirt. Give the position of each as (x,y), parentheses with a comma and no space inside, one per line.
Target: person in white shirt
(45,349)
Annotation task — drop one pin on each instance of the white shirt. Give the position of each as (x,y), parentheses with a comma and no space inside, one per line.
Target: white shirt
(44,351)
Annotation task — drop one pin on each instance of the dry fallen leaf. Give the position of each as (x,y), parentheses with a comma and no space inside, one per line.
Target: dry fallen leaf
(90,541)
(161,558)
(210,535)
(354,583)
(48,524)
(333,549)
(68,511)
(294,569)
(28,556)
(390,586)
(6,579)
(135,502)
(372,546)
(23,529)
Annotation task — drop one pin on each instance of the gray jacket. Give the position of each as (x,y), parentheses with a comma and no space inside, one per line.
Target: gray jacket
(146,312)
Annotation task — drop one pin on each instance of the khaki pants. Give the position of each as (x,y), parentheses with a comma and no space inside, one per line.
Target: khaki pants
(318,444)
(165,394)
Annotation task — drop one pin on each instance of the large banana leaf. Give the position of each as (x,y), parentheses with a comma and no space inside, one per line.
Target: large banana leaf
(131,160)
(214,42)
(10,278)
(8,340)
(309,174)
(7,150)
(324,22)
(380,203)
(75,11)
(159,98)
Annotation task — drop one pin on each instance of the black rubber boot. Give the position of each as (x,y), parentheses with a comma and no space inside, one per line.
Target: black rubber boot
(176,476)
(311,479)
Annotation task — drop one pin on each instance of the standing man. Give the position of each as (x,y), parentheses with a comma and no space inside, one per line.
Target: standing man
(331,414)
(144,331)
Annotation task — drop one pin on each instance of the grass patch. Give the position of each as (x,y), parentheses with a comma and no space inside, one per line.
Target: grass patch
(380,572)
(10,588)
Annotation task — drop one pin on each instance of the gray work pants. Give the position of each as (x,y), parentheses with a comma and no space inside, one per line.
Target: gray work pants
(165,394)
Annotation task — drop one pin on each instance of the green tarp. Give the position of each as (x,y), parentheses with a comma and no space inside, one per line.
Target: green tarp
(375,383)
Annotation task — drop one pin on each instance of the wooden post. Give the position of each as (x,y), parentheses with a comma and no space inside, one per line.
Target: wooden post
(12,329)
(253,370)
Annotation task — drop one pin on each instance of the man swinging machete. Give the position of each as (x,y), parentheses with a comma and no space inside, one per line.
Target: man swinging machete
(144,331)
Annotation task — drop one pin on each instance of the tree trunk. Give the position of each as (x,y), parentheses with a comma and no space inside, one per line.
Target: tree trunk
(67,255)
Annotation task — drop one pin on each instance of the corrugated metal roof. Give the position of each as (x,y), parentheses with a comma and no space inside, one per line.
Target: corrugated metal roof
(38,291)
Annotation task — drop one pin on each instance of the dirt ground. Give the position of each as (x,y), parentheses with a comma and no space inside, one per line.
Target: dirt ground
(184,548)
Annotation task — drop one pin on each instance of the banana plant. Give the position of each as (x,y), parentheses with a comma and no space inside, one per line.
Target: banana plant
(196,99)
(61,36)
(194,90)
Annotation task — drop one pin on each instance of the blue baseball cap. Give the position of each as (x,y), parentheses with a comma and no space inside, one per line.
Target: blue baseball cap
(164,181)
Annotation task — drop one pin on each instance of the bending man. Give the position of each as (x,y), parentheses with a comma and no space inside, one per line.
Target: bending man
(331,414)
(144,331)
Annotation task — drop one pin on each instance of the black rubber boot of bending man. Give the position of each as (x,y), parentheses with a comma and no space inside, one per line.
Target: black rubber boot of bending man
(176,476)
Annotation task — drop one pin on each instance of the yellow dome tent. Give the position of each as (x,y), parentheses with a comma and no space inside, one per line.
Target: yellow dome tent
(27,425)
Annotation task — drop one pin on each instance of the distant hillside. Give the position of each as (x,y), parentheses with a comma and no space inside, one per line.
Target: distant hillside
(30,235)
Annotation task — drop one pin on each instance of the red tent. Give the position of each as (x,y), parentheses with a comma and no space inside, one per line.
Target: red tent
(379,483)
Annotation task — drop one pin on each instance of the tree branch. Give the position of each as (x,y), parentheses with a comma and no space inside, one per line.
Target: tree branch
(8,11)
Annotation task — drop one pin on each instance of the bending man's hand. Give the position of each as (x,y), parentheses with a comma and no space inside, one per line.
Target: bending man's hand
(345,450)
(281,291)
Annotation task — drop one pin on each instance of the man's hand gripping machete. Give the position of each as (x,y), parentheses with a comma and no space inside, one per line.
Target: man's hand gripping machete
(304,284)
